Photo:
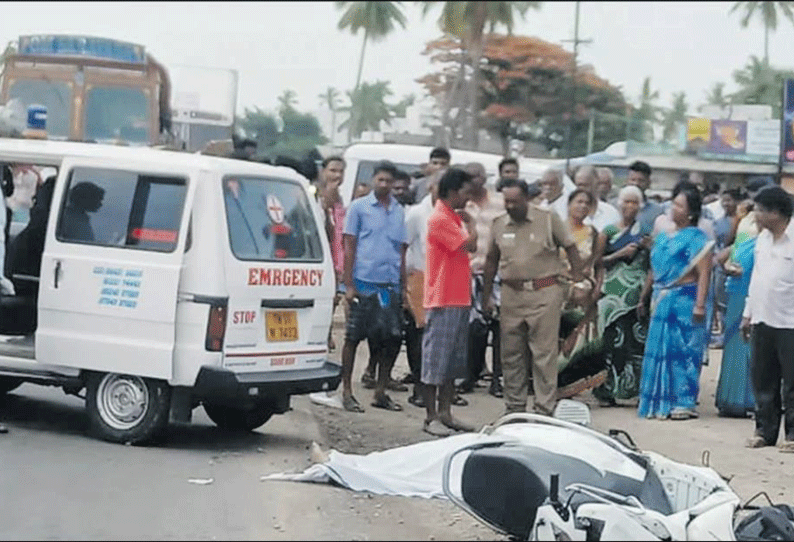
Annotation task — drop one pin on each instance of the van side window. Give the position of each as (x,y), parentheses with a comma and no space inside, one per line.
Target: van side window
(122,208)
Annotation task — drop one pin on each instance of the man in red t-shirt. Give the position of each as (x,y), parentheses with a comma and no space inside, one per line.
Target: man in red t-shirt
(447,300)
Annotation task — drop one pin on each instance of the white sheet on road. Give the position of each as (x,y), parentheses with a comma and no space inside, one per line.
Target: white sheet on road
(416,470)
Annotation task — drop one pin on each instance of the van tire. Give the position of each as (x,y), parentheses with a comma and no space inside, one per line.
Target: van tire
(112,417)
(238,419)
(9,383)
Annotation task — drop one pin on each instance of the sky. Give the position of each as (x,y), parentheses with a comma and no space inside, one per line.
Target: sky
(682,46)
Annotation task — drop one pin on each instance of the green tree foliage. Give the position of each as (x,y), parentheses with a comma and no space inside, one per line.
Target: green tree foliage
(526,91)
(674,117)
(716,95)
(300,132)
(467,21)
(760,83)
(368,108)
(768,13)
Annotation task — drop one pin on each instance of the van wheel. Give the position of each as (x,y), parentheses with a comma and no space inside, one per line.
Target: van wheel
(239,419)
(9,383)
(126,408)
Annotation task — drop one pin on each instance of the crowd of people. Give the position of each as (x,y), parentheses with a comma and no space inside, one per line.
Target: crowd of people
(574,289)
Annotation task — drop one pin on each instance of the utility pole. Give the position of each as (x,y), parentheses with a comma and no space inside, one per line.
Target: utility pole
(576,41)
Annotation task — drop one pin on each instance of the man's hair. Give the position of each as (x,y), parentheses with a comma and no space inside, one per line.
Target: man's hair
(334,158)
(507,161)
(401,175)
(385,166)
(607,172)
(512,183)
(440,152)
(735,193)
(453,179)
(774,198)
(641,167)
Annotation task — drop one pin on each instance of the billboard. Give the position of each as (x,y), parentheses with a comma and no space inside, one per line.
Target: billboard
(788,118)
(728,137)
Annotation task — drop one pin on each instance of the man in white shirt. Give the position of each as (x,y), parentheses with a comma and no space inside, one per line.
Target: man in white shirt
(415,260)
(554,193)
(604,214)
(769,313)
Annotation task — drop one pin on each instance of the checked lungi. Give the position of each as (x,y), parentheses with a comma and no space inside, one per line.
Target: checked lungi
(444,345)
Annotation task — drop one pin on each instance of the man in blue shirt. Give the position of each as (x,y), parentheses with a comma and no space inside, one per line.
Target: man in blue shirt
(374,241)
(640,176)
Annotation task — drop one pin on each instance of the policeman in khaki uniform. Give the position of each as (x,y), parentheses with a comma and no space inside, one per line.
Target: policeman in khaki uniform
(524,248)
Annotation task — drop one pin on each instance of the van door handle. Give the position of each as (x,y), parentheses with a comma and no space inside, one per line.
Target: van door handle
(57,273)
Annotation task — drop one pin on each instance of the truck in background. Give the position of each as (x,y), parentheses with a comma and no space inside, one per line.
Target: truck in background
(94,89)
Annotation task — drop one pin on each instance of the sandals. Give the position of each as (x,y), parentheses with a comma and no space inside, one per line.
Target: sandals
(386,403)
(683,414)
(787,446)
(755,442)
(416,401)
(458,425)
(368,381)
(436,428)
(459,401)
(351,405)
(396,385)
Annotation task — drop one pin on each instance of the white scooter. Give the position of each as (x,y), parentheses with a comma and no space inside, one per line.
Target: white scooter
(549,479)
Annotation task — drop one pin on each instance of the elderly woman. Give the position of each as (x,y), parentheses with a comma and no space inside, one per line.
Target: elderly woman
(580,350)
(621,268)
(677,335)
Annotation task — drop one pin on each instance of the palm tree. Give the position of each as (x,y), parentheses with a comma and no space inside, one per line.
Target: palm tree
(675,116)
(368,108)
(329,98)
(467,21)
(759,83)
(287,101)
(715,96)
(768,12)
(376,18)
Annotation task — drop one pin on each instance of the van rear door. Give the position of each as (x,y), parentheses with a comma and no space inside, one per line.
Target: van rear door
(280,276)
(111,266)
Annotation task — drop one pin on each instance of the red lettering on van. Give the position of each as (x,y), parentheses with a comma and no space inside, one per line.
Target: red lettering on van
(258,276)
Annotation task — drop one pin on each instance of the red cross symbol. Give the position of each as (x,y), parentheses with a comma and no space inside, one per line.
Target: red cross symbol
(275,209)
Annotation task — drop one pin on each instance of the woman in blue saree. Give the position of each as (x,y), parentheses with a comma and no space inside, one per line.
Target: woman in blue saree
(677,335)
(734,395)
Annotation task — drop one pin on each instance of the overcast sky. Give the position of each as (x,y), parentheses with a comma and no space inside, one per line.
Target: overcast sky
(279,45)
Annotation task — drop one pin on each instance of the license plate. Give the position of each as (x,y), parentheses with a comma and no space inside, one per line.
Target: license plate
(281,326)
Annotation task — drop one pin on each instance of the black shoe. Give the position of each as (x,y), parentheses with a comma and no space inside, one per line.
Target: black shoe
(408,379)
(465,387)
(417,401)
(496,390)
(459,401)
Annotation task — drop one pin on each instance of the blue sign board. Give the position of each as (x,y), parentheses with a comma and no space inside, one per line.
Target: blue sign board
(83,46)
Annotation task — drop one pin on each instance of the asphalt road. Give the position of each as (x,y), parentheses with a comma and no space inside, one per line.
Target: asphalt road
(57,482)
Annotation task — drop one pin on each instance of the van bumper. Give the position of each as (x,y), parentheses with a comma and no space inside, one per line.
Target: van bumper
(224,386)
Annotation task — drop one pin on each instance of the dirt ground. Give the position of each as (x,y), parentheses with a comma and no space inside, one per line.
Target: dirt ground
(721,439)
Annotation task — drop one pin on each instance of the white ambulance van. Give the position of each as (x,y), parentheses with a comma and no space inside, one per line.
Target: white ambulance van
(164,281)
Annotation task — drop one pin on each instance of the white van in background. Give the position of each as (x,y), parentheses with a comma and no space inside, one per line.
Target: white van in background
(360,160)
(165,281)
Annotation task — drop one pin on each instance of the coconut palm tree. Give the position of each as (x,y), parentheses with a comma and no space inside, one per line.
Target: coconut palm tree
(759,83)
(287,101)
(467,21)
(715,95)
(377,19)
(368,108)
(330,99)
(674,116)
(768,12)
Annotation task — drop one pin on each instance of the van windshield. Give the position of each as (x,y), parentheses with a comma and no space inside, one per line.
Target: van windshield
(270,220)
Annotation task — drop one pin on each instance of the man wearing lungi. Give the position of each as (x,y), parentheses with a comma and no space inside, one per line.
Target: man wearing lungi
(451,235)
(524,247)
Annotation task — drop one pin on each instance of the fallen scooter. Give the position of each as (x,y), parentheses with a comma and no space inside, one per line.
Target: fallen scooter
(549,479)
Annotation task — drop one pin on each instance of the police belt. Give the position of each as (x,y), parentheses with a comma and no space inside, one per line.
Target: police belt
(531,284)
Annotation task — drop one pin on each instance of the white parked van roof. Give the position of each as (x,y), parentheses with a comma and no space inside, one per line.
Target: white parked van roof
(52,153)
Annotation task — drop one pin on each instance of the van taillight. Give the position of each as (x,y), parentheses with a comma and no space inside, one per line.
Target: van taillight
(216,328)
